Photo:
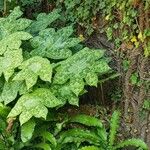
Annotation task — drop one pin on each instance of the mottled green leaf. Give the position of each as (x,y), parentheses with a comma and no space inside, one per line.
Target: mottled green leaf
(34,104)
(11,60)
(13,41)
(43,20)
(64,93)
(52,44)
(13,22)
(11,89)
(86,64)
(27,130)
(32,68)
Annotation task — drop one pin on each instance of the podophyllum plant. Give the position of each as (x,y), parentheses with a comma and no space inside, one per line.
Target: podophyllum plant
(42,68)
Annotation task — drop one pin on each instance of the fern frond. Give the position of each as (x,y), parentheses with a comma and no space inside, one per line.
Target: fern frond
(78,135)
(132,142)
(87,120)
(114,125)
(90,148)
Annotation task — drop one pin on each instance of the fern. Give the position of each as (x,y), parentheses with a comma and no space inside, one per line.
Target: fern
(114,125)
(87,120)
(132,142)
(90,148)
(78,136)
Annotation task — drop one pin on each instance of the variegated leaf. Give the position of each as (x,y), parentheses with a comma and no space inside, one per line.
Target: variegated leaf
(54,45)
(43,21)
(34,104)
(11,89)
(32,68)
(86,64)
(13,22)
(11,60)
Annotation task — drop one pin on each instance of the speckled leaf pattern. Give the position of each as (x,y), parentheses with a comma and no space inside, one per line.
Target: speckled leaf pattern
(11,89)
(13,41)
(34,104)
(64,93)
(32,68)
(13,22)
(11,60)
(86,64)
(27,130)
(54,45)
(43,21)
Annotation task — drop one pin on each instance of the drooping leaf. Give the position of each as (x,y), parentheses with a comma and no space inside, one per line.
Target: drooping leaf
(78,135)
(32,68)
(43,146)
(11,89)
(90,148)
(27,130)
(13,22)
(34,104)
(11,60)
(4,111)
(43,21)
(50,137)
(138,143)
(52,44)
(79,67)
(87,120)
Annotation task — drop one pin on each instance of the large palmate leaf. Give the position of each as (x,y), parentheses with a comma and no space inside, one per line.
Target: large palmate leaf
(10,61)
(32,68)
(11,89)
(52,44)
(64,93)
(43,20)
(34,104)
(13,22)
(84,65)
(13,41)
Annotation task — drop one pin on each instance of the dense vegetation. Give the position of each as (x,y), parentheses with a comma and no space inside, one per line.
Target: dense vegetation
(46,67)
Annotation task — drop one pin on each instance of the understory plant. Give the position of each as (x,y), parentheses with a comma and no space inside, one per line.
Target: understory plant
(42,68)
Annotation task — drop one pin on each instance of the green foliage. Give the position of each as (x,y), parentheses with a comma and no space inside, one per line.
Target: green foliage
(114,125)
(54,45)
(81,12)
(34,104)
(32,68)
(42,69)
(90,148)
(32,86)
(146,105)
